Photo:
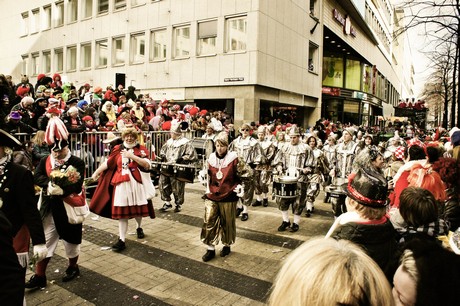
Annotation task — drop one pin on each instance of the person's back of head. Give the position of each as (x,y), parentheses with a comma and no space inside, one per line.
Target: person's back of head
(426,178)
(330,272)
(418,206)
(433,154)
(416,152)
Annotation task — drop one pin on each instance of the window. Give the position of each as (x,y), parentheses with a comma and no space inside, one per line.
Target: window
(207,34)
(25,64)
(46,20)
(236,34)
(313,8)
(35,64)
(59,60)
(73,10)
(101,53)
(137,2)
(85,56)
(313,57)
(46,62)
(158,45)
(35,22)
(182,42)
(87,8)
(118,50)
(71,58)
(24,23)
(137,53)
(59,19)
(102,6)
(119,4)
(333,66)
(353,74)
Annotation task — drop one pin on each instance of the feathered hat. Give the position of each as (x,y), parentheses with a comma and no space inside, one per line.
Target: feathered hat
(56,134)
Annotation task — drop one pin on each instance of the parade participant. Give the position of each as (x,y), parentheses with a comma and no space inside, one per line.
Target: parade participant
(125,189)
(263,171)
(366,222)
(54,194)
(210,132)
(315,178)
(342,167)
(177,150)
(329,154)
(296,157)
(250,152)
(223,189)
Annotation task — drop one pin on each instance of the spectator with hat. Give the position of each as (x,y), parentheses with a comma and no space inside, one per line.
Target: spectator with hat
(119,92)
(38,109)
(23,108)
(14,124)
(73,121)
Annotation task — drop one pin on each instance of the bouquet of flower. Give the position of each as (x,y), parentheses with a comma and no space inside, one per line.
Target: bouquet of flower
(64,176)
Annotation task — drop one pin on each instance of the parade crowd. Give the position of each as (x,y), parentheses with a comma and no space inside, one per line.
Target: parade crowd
(395,201)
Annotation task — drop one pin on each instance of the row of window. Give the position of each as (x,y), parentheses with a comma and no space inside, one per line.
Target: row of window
(116,48)
(375,25)
(70,11)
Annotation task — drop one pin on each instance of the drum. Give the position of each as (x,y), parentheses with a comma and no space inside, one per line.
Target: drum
(285,187)
(203,147)
(184,174)
(167,170)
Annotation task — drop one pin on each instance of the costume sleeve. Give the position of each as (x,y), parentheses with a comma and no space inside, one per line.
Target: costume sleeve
(189,153)
(40,176)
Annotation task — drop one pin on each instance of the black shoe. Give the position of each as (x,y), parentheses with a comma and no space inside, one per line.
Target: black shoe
(308,213)
(244,217)
(71,273)
(210,254)
(119,246)
(177,209)
(36,282)
(140,233)
(225,251)
(239,211)
(166,207)
(257,203)
(284,226)
(294,227)
(265,202)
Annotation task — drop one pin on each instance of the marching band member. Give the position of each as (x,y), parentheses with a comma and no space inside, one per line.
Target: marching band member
(177,150)
(344,155)
(249,150)
(297,156)
(262,173)
(223,180)
(315,178)
(329,154)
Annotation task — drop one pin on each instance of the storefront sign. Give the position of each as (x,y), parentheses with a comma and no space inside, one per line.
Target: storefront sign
(331,91)
(348,29)
(234,79)
(170,94)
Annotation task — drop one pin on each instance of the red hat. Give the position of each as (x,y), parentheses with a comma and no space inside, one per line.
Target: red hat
(98,89)
(164,102)
(193,111)
(176,107)
(150,104)
(203,112)
(87,118)
(399,153)
(86,85)
(40,76)
(22,91)
(53,110)
(110,123)
(166,126)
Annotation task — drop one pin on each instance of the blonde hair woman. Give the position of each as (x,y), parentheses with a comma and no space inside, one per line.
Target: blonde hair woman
(330,272)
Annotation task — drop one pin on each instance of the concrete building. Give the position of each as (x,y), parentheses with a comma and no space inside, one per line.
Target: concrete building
(255,58)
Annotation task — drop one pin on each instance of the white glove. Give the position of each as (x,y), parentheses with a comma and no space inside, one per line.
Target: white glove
(40,251)
(239,189)
(202,177)
(332,173)
(54,189)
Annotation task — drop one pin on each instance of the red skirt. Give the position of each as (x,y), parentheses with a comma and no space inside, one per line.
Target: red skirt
(128,212)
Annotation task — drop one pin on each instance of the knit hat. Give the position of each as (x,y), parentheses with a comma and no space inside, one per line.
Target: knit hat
(82,103)
(98,90)
(368,188)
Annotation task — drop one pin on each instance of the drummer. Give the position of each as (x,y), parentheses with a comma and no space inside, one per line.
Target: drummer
(294,160)
(177,150)
(262,172)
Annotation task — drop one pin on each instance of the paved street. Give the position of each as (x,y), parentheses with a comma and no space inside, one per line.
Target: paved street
(165,268)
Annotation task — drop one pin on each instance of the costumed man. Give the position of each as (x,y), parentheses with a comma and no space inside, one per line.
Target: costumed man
(344,154)
(263,171)
(19,205)
(222,179)
(315,177)
(296,159)
(177,150)
(250,152)
(329,154)
(54,214)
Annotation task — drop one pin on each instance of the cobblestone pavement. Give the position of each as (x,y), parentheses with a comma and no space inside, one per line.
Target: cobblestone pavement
(165,268)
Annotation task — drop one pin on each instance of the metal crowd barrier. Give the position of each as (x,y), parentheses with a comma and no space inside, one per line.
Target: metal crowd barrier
(89,146)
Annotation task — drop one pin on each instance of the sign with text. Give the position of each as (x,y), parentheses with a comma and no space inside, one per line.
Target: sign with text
(239,79)
(168,93)
(348,29)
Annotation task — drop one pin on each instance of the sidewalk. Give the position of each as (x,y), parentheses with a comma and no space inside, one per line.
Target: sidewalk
(165,268)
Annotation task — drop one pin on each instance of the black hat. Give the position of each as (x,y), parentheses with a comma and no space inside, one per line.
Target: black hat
(58,145)
(7,140)
(73,100)
(368,188)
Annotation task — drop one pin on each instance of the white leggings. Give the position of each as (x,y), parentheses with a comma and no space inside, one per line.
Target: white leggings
(52,239)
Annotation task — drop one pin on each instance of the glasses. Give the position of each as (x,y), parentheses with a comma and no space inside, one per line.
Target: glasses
(245,130)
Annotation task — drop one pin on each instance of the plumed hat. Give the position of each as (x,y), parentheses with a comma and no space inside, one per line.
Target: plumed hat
(368,188)
(294,131)
(7,140)
(56,134)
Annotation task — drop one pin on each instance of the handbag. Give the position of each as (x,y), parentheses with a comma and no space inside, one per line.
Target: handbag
(76,214)
(148,185)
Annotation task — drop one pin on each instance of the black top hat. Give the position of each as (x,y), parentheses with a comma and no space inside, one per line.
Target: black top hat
(8,140)
(58,145)
(368,188)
